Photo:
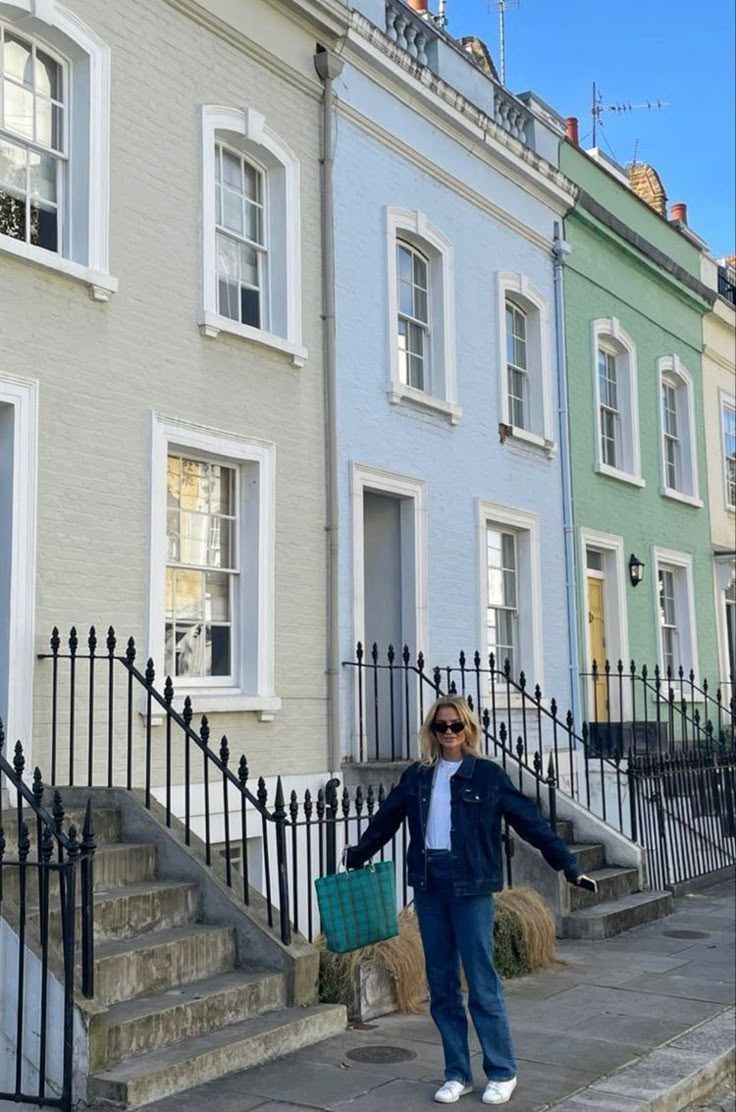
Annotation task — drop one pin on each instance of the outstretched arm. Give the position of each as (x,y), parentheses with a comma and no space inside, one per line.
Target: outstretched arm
(527,821)
(381,828)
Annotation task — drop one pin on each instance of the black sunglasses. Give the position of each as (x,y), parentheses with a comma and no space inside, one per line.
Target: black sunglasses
(455,727)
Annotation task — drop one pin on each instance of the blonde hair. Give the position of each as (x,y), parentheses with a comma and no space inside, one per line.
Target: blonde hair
(431,750)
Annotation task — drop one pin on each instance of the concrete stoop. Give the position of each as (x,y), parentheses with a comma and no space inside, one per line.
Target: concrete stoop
(181,999)
(617,906)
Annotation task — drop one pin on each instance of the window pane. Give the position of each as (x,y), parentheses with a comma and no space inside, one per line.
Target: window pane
(495,587)
(190,650)
(228,299)
(252,182)
(253,229)
(222,489)
(173,478)
(219,546)
(227,258)
(188,594)
(420,305)
(416,372)
(172,535)
(44,227)
(250,307)
(12,166)
(217,597)
(194,485)
(232,211)
(404,263)
(18,109)
(232,171)
(12,216)
(194,536)
(218,651)
(48,76)
(420,272)
(593,559)
(249,265)
(17,59)
(42,176)
(416,339)
(406,298)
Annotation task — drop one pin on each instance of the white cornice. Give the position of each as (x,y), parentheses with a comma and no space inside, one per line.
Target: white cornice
(442,105)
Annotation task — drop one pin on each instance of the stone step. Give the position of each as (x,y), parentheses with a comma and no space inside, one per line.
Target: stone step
(114,866)
(160,1073)
(612,883)
(615,916)
(106,826)
(150,1022)
(564,829)
(588,855)
(135,909)
(161,960)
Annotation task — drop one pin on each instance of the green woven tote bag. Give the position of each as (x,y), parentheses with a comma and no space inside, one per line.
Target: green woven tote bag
(358,907)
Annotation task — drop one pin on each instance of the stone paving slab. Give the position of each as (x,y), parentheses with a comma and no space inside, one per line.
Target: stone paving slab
(611,1009)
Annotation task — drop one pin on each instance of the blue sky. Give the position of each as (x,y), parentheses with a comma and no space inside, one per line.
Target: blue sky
(636,51)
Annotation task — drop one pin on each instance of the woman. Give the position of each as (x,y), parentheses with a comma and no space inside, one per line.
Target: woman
(455,800)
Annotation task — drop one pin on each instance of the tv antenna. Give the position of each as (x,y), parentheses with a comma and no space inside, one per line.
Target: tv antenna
(503,6)
(598,108)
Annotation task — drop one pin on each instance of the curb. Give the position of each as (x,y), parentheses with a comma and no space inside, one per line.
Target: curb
(690,1067)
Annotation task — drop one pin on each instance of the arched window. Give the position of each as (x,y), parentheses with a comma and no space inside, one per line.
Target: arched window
(524,379)
(617,402)
(54,157)
(677,425)
(251,257)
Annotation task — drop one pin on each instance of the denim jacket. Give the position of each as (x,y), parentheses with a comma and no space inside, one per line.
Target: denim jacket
(481,796)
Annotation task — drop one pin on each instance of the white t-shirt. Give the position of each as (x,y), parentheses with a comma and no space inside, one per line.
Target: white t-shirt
(438,822)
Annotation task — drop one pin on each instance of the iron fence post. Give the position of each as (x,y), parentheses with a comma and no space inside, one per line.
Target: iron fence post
(331,825)
(279,818)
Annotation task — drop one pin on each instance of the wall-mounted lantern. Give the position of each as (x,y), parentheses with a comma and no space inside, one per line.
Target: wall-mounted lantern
(636,570)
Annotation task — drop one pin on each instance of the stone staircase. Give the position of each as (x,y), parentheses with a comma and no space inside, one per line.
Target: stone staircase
(176,1004)
(617,906)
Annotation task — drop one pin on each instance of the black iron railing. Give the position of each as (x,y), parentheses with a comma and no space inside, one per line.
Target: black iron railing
(42,866)
(727,283)
(125,714)
(686,813)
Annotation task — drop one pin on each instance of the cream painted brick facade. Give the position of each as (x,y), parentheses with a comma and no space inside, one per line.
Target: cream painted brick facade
(719,387)
(102,368)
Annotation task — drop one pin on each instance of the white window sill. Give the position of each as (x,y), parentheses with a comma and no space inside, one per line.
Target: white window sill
(678,496)
(100,285)
(622,476)
(512,432)
(212,324)
(400,394)
(210,701)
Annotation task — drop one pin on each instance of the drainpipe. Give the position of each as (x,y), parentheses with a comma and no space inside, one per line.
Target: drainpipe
(329,67)
(559,249)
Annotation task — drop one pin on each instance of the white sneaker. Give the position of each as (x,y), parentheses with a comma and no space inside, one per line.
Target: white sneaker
(452,1091)
(498,1092)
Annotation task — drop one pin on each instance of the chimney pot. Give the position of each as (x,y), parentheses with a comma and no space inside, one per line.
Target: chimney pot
(418,5)
(572,129)
(679,212)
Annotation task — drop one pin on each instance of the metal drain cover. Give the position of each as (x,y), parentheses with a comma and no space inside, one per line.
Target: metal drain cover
(686,934)
(380,1054)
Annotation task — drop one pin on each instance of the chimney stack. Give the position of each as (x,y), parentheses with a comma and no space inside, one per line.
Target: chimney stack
(572,129)
(418,6)
(679,212)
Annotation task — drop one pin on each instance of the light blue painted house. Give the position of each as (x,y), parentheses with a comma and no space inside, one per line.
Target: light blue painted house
(447,197)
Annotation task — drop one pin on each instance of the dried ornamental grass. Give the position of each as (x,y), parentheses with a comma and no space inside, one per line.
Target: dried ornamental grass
(523,940)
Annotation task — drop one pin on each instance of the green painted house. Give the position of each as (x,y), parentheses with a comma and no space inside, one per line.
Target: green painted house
(634,307)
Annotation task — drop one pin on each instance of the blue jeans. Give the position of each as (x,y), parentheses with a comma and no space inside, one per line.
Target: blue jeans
(457,929)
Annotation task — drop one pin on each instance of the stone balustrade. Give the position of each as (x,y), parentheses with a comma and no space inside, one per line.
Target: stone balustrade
(510,114)
(407,31)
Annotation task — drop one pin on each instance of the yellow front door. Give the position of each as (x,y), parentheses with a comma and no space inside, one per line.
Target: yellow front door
(597,641)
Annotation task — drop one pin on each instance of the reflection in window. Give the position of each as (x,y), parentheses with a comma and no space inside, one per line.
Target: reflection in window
(517,365)
(32,124)
(610,416)
(241,246)
(729,453)
(201,571)
(503,615)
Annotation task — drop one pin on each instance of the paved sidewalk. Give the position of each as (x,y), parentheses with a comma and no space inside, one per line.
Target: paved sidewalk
(611,1003)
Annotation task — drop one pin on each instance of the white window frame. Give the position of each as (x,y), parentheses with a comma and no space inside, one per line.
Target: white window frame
(725,401)
(22,395)
(529,583)
(724,574)
(87,260)
(607,333)
(414,229)
(681,563)
(670,371)
(517,289)
(253,689)
(246,131)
